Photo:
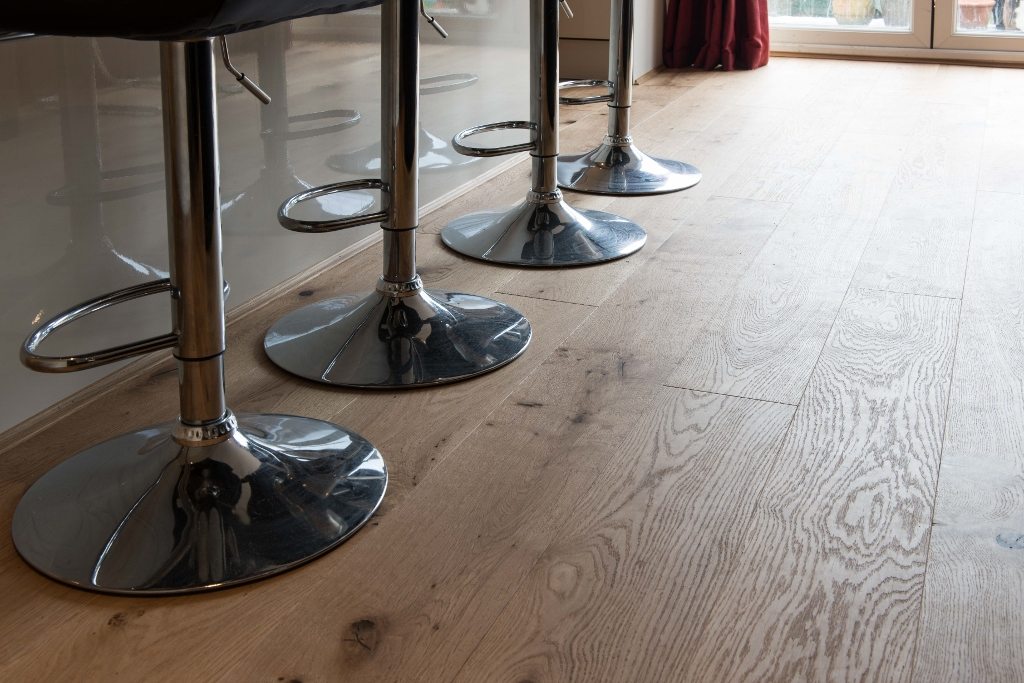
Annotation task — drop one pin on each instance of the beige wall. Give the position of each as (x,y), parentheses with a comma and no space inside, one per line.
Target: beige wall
(584,44)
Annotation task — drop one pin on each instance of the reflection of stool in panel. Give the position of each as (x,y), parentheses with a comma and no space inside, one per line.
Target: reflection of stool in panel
(209,500)
(435,153)
(401,335)
(257,203)
(544,230)
(617,167)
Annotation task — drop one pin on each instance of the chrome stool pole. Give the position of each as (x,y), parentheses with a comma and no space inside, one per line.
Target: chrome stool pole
(401,335)
(543,230)
(617,167)
(210,500)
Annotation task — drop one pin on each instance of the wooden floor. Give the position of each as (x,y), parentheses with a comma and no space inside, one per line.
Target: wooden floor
(785,442)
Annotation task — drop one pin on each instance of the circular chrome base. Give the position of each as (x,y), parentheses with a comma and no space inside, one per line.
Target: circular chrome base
(544,234)
(143,514)
(436,155)
(622,169)
(256,206)
(398,336)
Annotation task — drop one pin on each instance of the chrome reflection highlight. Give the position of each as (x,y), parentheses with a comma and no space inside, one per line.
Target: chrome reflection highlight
(399,335)
(619,168)
(616,166)
(544,234)
(143,513)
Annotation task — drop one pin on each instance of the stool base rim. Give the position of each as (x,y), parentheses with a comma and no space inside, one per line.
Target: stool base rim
(622,169)
(414,338)
(143,514)
(544,234)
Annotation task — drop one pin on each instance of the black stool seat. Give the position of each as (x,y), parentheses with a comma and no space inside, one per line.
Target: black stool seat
(160,19)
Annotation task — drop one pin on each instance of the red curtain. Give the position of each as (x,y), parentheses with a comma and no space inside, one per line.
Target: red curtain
(707,34)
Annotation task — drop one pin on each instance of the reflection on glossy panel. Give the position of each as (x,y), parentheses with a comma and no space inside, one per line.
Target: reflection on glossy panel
(876,15)
(987,15)
(81,181)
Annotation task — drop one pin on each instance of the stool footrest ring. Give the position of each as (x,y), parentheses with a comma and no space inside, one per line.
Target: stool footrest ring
(494,151)
(40,363)
(586,83)
(332,224)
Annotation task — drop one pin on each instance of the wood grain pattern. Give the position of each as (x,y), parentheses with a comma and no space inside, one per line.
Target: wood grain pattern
(923,235)
(972,628)
(830,584)
(674,501)
(765,340)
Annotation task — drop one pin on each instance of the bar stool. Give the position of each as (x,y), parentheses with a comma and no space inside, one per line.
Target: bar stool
(209,500)
(544,230)
(616,166)
(400,335)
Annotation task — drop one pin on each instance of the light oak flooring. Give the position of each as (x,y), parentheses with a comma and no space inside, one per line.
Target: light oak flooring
(784,442)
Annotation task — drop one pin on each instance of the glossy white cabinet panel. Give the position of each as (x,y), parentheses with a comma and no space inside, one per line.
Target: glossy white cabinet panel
(81,163)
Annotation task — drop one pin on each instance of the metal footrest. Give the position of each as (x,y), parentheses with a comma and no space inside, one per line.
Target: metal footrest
(588,99)
(330,225)
(93,359)
(494,151)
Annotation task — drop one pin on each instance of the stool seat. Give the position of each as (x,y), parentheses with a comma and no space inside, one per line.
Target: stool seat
(175,20)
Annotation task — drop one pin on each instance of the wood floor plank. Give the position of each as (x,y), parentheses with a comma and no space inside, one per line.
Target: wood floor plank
(923,234)
(764,341)
(971,628)
(660,215)
(830,584)
(670,510)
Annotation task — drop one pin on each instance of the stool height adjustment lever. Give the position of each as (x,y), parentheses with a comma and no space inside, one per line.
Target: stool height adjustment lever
(250,85)
(432,21)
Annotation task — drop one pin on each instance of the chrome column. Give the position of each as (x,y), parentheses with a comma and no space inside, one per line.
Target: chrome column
(193,218)
(620,69)
(544,230)
(617,166)
(400,125)
(544,97)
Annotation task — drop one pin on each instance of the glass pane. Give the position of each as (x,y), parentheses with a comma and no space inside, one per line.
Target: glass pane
(987,15)
(875,15)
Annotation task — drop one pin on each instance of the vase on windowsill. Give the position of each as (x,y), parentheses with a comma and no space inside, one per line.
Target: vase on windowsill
(853,12)
(974,14)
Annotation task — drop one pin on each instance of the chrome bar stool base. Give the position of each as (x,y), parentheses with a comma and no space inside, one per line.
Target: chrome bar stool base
(401,335)
(544,233)
(145,513)
(622,169)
